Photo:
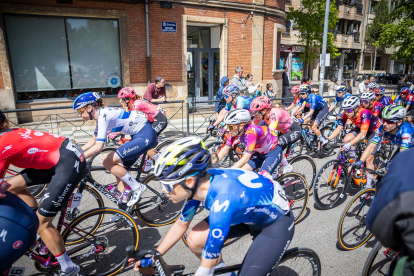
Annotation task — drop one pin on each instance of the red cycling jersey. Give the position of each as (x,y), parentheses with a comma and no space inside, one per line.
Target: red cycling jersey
(364,120)
(25,148)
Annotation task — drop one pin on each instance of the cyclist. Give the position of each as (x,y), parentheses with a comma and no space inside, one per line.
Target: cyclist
(368,102)
(232,100)
(341,95)
(239,201)
(295,92)
(90,107)
(277,119)
(365,124)
(47,158)
(380,96)
(262,149)
(406,99)
(154,114)
(395,130)
(318,109)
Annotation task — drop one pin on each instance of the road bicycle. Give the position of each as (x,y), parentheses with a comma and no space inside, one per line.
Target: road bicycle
(311,142)
(378,261)
(296,261)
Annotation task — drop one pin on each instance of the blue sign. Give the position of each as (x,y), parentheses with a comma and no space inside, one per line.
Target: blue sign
(168,27)
(114,80)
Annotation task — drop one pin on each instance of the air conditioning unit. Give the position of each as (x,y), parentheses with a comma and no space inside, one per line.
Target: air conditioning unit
(347,10)
(346,38)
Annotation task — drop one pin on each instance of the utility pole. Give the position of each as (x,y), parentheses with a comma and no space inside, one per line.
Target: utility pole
(323,57)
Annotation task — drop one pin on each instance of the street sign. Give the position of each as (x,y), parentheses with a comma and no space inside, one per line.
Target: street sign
(327,60)
(168,27)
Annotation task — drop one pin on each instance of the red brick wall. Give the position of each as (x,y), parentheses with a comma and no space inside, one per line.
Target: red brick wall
(1,80)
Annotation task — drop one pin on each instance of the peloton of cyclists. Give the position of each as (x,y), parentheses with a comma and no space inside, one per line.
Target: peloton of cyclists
(368,101)
(380,96)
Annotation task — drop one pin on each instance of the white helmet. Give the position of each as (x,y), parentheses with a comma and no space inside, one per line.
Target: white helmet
(368,96)
(237,116)
(394,112)
(351,102)
(372,85)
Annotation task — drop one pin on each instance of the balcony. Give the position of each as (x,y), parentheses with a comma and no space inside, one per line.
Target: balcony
(350,12)
(347,41)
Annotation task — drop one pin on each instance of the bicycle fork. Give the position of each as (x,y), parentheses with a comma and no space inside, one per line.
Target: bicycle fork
(336,178)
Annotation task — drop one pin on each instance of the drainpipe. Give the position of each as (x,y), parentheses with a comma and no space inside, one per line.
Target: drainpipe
(148,47)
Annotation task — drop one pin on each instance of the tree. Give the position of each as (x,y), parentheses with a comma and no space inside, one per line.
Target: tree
(310,21)
(374,29)
(399,33)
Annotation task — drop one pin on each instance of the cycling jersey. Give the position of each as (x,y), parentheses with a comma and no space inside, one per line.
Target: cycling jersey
(255,138)
(341,99)
(365,120)
(376,108)
(237,196)
(408,101)
(118,120)
(404,137)
(315,101)
(280,120)
(25,148)
(386,101)
(150,110)
(241,102)
(296,100)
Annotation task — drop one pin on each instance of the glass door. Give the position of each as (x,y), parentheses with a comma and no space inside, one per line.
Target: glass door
(204,74)
(191,74)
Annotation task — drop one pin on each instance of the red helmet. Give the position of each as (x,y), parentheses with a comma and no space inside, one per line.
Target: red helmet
(405,90)
(127,92)
(295,89)
(260,103)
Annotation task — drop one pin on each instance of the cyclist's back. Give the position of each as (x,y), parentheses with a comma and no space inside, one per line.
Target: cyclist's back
(256,138)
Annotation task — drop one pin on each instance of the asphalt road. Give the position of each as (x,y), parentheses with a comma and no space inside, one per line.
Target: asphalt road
(318,231)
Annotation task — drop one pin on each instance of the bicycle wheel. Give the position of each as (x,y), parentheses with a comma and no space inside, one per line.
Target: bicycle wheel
(306,166)
(154,207)
(163,145)
(330,185)
(378,261)
(352,230)
(112,235)
(328,148)
(296,189)
(297,148)
(298,261)
(215,147)
(35,190)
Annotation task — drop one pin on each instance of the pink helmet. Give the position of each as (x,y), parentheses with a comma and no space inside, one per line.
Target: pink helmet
(295,89)
(127,92)
(260,103)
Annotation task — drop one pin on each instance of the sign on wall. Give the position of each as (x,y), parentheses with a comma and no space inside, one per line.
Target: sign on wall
(168,27)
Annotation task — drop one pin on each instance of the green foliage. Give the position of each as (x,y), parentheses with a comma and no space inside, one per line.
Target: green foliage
(399,31)
(374,29)
(310,22)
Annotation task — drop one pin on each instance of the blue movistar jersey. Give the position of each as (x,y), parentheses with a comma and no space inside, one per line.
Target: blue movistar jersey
(315,101)
(404,137)
(385,101)
(237,196)
(241,102)
(339,99)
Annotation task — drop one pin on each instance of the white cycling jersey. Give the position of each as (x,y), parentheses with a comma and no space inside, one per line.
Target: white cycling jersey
(118,120)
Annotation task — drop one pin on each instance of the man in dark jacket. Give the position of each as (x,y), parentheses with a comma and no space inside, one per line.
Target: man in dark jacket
(285,88)
(391,216)
(219,96)
(402,83)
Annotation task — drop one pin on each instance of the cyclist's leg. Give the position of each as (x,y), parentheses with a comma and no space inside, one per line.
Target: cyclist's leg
(318,118)
(159,125)
(268,247)
(370,160)
(255,162)
(272,159)
(287,139)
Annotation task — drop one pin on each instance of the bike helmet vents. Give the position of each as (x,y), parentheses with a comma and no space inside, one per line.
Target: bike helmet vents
(305,88)
(405,90)
(86,99)
(295,89)
(126,92)
(340,88)
(260,103)
(372,85)
(394,112)
(351,102)
(238,116)
(368,96)
(379,90)
(230,90)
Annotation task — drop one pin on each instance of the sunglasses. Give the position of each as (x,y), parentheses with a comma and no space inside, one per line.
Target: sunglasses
(402,94)
(364,102)
(348,110)
(303,93)
(80,111)
(339,92)
(126,100)
(168,187)
(389,122)
(231,127)
(226,96)
(258,112)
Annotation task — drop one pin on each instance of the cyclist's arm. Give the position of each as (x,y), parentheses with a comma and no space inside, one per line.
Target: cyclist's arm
(361,134)
(96,148)
(298,109)
(220,117)
(224,151)
(243,161)
(290,107)
(336,132)
(311,111)
(333,105)
(407,107)
(89,144)
(405,141)
(173,235)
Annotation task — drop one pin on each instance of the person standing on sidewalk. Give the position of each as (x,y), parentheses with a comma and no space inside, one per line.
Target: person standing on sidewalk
(362,87)
(155,92)
(238,80)
(285,91)
(355,76)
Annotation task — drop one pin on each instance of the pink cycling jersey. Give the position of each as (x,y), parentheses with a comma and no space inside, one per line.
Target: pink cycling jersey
(279,120)
(256,138)
(150,110)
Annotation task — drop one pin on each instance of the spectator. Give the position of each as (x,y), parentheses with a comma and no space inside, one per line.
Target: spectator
(362,86)
(156,91)
(252,90)
(219,96)
(402,83)
(348,87)
(269,91)
(354,76)
(238,80)
(285,86)
(305,80)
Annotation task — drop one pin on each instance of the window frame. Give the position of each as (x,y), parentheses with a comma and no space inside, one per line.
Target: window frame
(3,14)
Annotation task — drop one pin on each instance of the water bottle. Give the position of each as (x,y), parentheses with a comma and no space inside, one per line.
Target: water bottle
(125,194)
(114,191)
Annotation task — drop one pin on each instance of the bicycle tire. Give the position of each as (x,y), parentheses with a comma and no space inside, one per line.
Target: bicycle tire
(298,256)
(297,147)
(376,264)
(100,264)
(359,222)
(328,148)
(321,188)
(307,171)
(214,147)
(161,211)
(296,189)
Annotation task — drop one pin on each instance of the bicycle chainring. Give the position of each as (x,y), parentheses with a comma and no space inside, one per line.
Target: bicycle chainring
(102,242)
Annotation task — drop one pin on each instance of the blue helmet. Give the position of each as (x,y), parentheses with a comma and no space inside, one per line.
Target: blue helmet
(305,88)
(85,99)
(230,90)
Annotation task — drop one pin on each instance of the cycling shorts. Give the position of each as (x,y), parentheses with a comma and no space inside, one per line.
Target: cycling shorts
(269,244)
(355,131)
(291,137)
(160,123)
(19,224)
(62,178)
(319,115)
(266,162)
(140,143)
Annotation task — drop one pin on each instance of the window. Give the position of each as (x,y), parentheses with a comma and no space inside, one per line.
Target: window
(53,57)
(372,9)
